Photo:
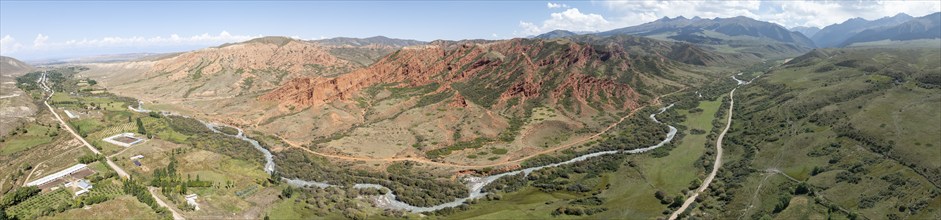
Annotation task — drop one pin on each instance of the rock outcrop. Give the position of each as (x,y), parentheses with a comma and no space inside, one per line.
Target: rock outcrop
(489,74)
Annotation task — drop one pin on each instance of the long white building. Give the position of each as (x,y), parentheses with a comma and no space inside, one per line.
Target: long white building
(57,175)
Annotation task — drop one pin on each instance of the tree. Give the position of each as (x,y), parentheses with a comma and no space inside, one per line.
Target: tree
(660,195)
(287,192)
(677,202)
(802,189)
(140,127)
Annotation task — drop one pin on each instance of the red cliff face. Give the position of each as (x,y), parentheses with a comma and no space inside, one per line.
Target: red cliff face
(519,68)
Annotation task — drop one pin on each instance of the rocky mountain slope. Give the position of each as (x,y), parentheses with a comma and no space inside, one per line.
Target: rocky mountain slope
(16,106)
(492,73)
(12,66)
(418,100)
(834,35)
(236,69)
(519,95)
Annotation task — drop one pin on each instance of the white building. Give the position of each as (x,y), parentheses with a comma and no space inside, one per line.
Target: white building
(57,175)
(83,186)
(67,112)
(127,135)
(191,200)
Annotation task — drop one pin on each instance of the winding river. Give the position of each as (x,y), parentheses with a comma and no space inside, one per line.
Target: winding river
(474,184)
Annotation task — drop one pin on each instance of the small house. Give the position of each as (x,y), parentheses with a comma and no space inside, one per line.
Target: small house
(191,200)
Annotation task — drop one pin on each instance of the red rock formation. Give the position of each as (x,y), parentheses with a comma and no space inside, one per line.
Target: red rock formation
(458,102)
(528,65)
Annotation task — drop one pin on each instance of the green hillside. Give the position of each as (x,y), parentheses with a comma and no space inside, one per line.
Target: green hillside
(836,133)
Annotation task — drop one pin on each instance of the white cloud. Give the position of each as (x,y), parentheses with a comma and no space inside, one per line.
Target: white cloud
(172,40)
(556,5)
(571,19)
(42,45)
(40,40)
(820,14)
(9,45)
(638,12)
(786,13)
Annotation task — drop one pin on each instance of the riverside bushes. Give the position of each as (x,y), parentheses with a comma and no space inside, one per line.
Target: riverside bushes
(414,188)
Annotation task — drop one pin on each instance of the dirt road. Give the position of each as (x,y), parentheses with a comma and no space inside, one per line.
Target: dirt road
(716,165)
(176,216)
(111,164)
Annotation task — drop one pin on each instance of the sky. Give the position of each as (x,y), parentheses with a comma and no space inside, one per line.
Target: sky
(36,30)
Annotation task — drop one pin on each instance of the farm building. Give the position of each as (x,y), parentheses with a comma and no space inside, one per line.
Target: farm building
(138,157)
(123,139)
(67,112)
(191,200)
(81,184)
(77,171)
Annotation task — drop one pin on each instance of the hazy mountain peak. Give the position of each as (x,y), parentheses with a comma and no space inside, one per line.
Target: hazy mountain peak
(276,40)
(835,34)
(695,31)
(903,16)
(556,34)
(375,40)
(926,27)
(806,31)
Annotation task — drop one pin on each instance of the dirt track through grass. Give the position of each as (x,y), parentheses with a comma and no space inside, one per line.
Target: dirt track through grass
(715,166)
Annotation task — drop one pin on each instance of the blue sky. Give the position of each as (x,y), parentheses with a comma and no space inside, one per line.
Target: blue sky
(41,30)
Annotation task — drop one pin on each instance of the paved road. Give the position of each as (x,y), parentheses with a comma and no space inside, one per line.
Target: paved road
(715,166)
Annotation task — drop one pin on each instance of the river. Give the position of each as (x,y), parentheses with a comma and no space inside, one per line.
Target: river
(475,185)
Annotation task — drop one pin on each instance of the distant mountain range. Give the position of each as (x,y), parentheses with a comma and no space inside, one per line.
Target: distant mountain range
(806,31)
(834,35)
(927,27)
(377,40)
(107,58)
(765,39)
(561,33)
(698,30)
(737,35)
